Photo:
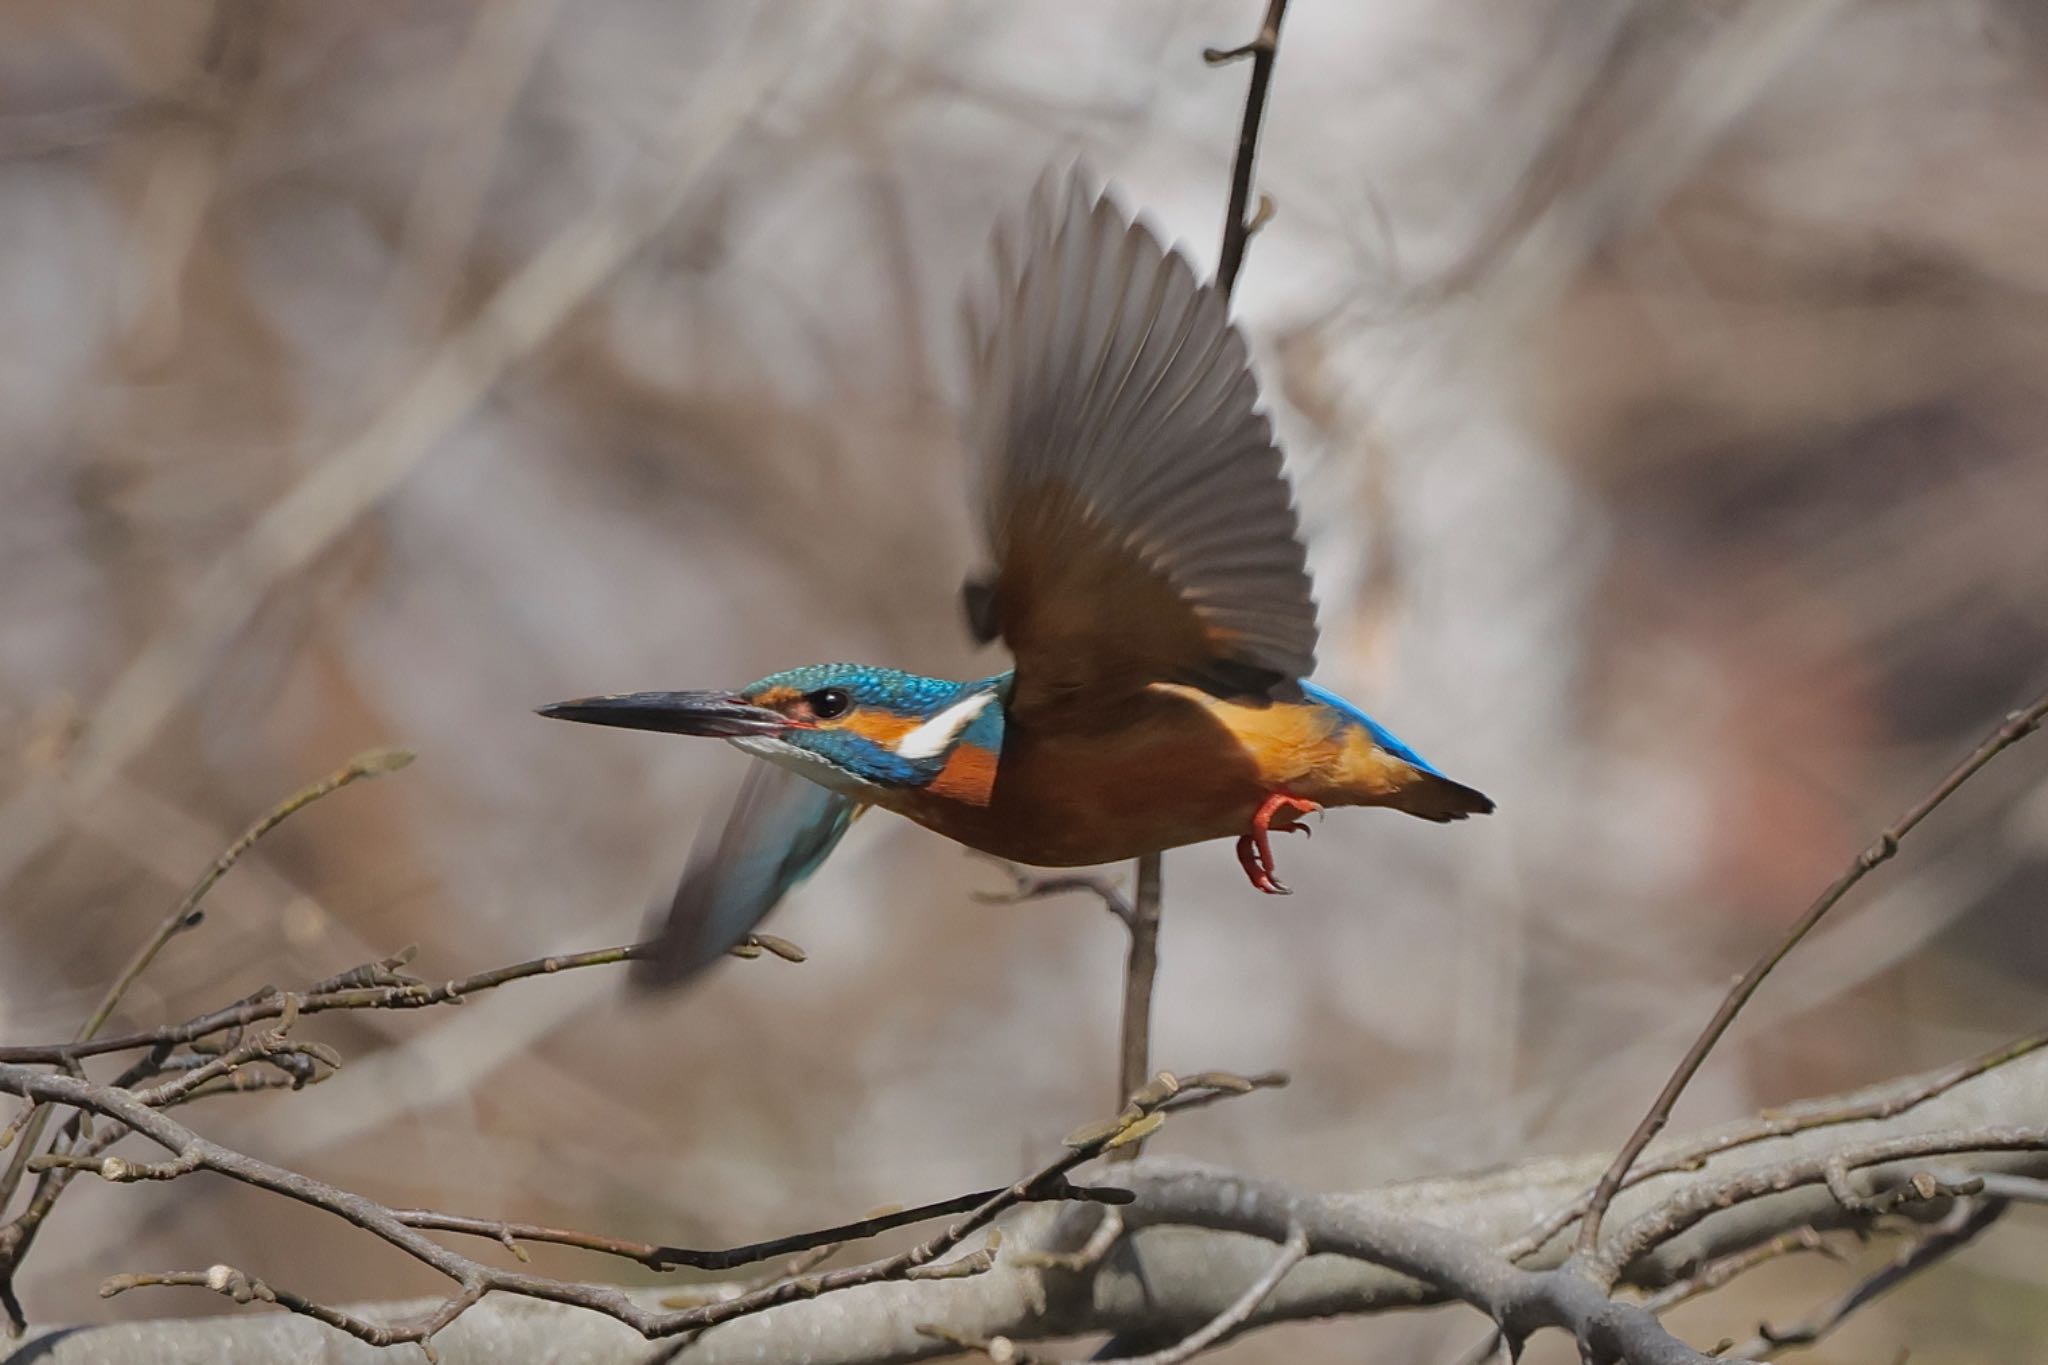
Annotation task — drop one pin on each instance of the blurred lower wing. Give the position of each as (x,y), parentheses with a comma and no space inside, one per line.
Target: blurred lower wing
(781,827)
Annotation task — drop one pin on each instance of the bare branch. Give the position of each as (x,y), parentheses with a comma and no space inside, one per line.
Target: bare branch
(657,1257)
(1141,963)
(1028,887)
(1237,227)
(1716,1273)
(19,1235)
(2016,727)
(373,986)
(191,1152)
(1005,1352)
(1190,1274)
(1141,967)
(1882,1102)
(186,913)
(1956,1231)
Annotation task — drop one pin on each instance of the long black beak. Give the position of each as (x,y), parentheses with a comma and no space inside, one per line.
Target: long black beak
(717,715)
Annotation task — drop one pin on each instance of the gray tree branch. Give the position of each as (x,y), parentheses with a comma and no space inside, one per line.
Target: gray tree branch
(1197,1236)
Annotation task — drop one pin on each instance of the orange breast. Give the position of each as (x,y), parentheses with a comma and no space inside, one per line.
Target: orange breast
(1176,766)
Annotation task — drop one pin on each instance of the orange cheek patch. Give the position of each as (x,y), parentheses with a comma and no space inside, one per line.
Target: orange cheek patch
(882,727)
(969,776)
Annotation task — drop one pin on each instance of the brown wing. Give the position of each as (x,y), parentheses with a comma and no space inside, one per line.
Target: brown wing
(1138,516)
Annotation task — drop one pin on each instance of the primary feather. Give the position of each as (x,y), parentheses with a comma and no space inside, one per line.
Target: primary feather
(1134,503)
(780,827)
(1148,575)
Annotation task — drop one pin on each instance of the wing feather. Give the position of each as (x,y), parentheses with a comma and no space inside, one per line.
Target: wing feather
(780,828)
(1135,506)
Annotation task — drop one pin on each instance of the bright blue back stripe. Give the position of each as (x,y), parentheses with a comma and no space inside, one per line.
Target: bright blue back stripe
(1381,735)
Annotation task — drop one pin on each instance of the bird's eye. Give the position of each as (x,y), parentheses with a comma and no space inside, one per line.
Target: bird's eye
(828,703)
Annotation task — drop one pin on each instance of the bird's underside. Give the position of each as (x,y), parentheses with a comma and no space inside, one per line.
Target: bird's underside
(1144,567)
(1177,766)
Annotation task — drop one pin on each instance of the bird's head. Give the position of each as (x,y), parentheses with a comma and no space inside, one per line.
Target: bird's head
(846,726)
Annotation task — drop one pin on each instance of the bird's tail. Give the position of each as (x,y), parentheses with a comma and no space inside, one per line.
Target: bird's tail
(1438,798)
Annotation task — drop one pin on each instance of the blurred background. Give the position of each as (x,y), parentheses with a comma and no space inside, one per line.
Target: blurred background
(1661,382)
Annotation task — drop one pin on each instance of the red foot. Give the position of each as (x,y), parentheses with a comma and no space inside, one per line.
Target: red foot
(1255,850)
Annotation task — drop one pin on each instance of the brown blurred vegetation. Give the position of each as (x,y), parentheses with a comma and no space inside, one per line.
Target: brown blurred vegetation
(1662,386)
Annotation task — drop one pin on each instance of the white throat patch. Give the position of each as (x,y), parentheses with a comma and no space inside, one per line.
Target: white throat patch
(936,735)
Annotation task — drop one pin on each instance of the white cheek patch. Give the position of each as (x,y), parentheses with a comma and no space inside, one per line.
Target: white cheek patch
(936,735)
(798,760)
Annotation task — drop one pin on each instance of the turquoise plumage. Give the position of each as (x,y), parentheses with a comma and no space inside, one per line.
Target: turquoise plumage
(1144,567)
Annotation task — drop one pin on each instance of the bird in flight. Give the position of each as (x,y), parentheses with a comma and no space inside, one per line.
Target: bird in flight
(1146,572)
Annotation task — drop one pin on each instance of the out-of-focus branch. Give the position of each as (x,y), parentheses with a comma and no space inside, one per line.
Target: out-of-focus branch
(339,488)
(26,1132)
(473,1279)
(2016,727)
(186,913)
(658,1257)
(1028,887)
(1196,1236)
(372,986)
(1951,1234)
(1292,1252)
(216,1054)
(1808,1116)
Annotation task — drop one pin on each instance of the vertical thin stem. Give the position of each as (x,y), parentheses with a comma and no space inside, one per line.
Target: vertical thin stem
(1141,965)
(1237,226)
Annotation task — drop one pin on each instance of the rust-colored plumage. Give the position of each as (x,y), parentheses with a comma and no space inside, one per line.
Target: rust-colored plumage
(1145,570)
(1174,766)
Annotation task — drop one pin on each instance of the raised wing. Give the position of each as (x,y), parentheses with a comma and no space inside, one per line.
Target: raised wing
(1138,516)
(780,828)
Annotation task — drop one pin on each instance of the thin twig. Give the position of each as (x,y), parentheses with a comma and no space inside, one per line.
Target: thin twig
(17,1237)
(1141,963)
(1027,887)
(375,985)
(1237,226)
(2018,1189)
(1005,1351)
(387,994)
(1920,1188)
(1292,1252)
(657,1257)
(1141,968)
(186,913)
(1090,1254)
(1955,1231)
(1888,1103)
(800,1264)
(1701,1200)
(1164,1095)
(1718,1272)
(2016,727)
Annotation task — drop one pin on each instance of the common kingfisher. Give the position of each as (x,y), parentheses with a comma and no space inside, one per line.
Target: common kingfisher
(1147,574)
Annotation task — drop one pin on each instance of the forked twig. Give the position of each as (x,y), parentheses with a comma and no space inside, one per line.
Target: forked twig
(1953,1233)
(1293,1251)
(2016,727)
(26,1130)
(1164,1095)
